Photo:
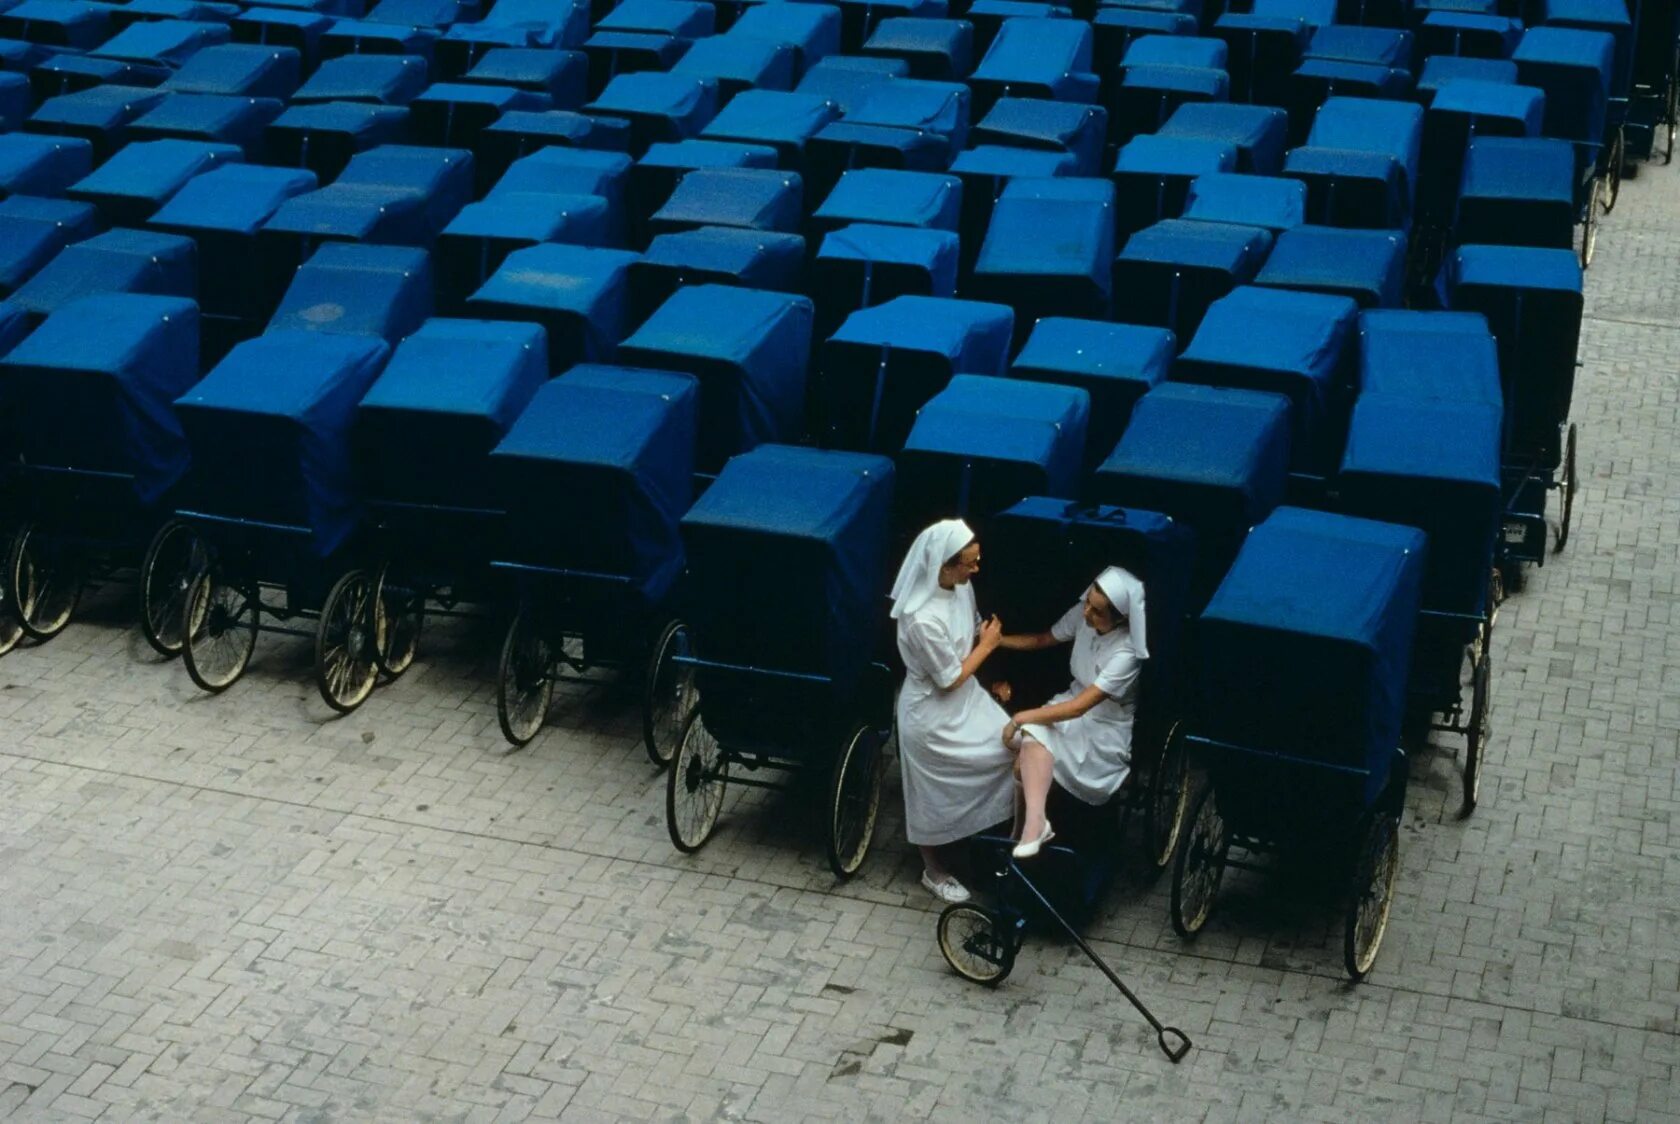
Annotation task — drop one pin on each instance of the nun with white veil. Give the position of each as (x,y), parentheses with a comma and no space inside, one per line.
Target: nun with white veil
(958,778)
(1088,727)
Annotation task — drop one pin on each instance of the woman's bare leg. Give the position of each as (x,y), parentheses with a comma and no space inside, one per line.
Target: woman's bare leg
(932,863)
(1036,767)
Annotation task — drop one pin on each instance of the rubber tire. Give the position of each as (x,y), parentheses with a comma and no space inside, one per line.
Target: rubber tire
(1188,927)
(363,672)
(161,620)
(1589,229)
(1613,173)
(1374,869)
(37,630)
(862,751)
(393,663)
(506,675)
(1571,483)
(673,638)
(991,974)
(203,587)
(1476,737)
(11,632)
(1173,767)
(685,762)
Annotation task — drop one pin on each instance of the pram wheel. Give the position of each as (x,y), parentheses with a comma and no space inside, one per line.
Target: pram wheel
(854,802)
(1169,797)
(1372,891)
(10,631)
(1589,224)
(976,946)
(1570,483)
(524,680)
(397,620)
(219,631)
(1613,170)
(1476,737)
(345,664)
(668,695)
(44,584)
(174,557)
(695,786)
(1200,867)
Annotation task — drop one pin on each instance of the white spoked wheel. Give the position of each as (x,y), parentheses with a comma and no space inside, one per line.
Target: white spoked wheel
(219,631)
(668,694)
(524,679)
(1372,895)
(44,584)
(174,557)
(346,667)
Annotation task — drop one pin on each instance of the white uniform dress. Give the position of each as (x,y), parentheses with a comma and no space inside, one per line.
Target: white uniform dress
(1093,753)
(958,777)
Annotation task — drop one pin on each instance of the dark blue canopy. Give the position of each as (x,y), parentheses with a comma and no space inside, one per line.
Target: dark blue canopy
(270,431)
(250,70)
(1575,69)
(572,171)
(597,471)
(1265,201)
(1609,16)
(1116,364)
(1379,46)
(1260,132)
(893,198)
(475,241)
(659,107)
(324,137)
(42,165)
(1169,273)
(59,23)
(118,261)
(738,63)
(533,23)
(448,395)
(780,120)
(680,18)
(723,255)
(1045,57)
(171,42)
(93,388)
(886,361)
(929,255)
(34,230)
(1367,265)
(1393,128)
(1049,249)
(381,79)
(935,48)
(1212,458)
(394,195)
(356,37)
(381,291)
(235,198)
(1152,175)
(1438,70)
(937,109)
(577,293)
(1176,50)
(1296,344)
(1522,107)
(983,443)
(1518,191)
(99,114)
(562,76)
(1444,35)
(222,118)
(748,347)
(750,198)
(1038,123)
(787,570)
(846,80)
(1305,649)
(1428,355)
(813,31)
(140,178)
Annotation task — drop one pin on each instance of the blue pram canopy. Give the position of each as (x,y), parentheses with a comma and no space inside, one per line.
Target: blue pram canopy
(1367,265)
(270,432)
(893,198)
(596,472)
(1115,364)
(1305,648)
(382,291)
(1049,248)
(748,347)
(1575,69)
(448,394)
(93,388)
(1261,133)
(577,293)
(1264,201)
(118,261)
(42,165)
(788,570)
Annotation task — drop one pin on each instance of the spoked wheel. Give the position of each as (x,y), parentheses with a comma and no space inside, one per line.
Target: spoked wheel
(976,945)
(695,786)
(1476,736)
(1589,227)
(10,630)
(1200,867)
(1372,892)
(668,695)
(1671,109)
(1613,171)
(524,680)
(398,614)
(854,802)
(174,557)
(1570,483)
(218,631)
(1169,798)
(44,583)
(345,664)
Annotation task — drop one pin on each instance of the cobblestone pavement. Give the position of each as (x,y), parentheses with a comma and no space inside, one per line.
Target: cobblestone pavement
(235,908)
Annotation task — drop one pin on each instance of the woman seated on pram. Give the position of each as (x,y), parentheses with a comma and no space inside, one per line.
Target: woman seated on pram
(1087,728)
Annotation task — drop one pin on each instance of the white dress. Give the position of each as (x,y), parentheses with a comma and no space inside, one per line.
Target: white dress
(1093,753)
(958,777)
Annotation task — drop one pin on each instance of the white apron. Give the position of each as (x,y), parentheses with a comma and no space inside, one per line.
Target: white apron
(1093,753)
(958,777)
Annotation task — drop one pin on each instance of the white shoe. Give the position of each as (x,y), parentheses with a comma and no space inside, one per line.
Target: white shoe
(946,889)
(1030,848)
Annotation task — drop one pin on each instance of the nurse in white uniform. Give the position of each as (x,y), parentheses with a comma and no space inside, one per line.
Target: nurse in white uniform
(958,778)
(1088,727)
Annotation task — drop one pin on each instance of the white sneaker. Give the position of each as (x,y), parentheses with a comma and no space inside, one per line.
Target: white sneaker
(946,889)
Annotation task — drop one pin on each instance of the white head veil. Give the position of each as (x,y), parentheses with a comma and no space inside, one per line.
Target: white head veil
(1125,592)
(918,578)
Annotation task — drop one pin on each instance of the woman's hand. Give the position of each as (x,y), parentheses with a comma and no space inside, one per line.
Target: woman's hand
(991,635)
(1011,733)
(1002,692)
